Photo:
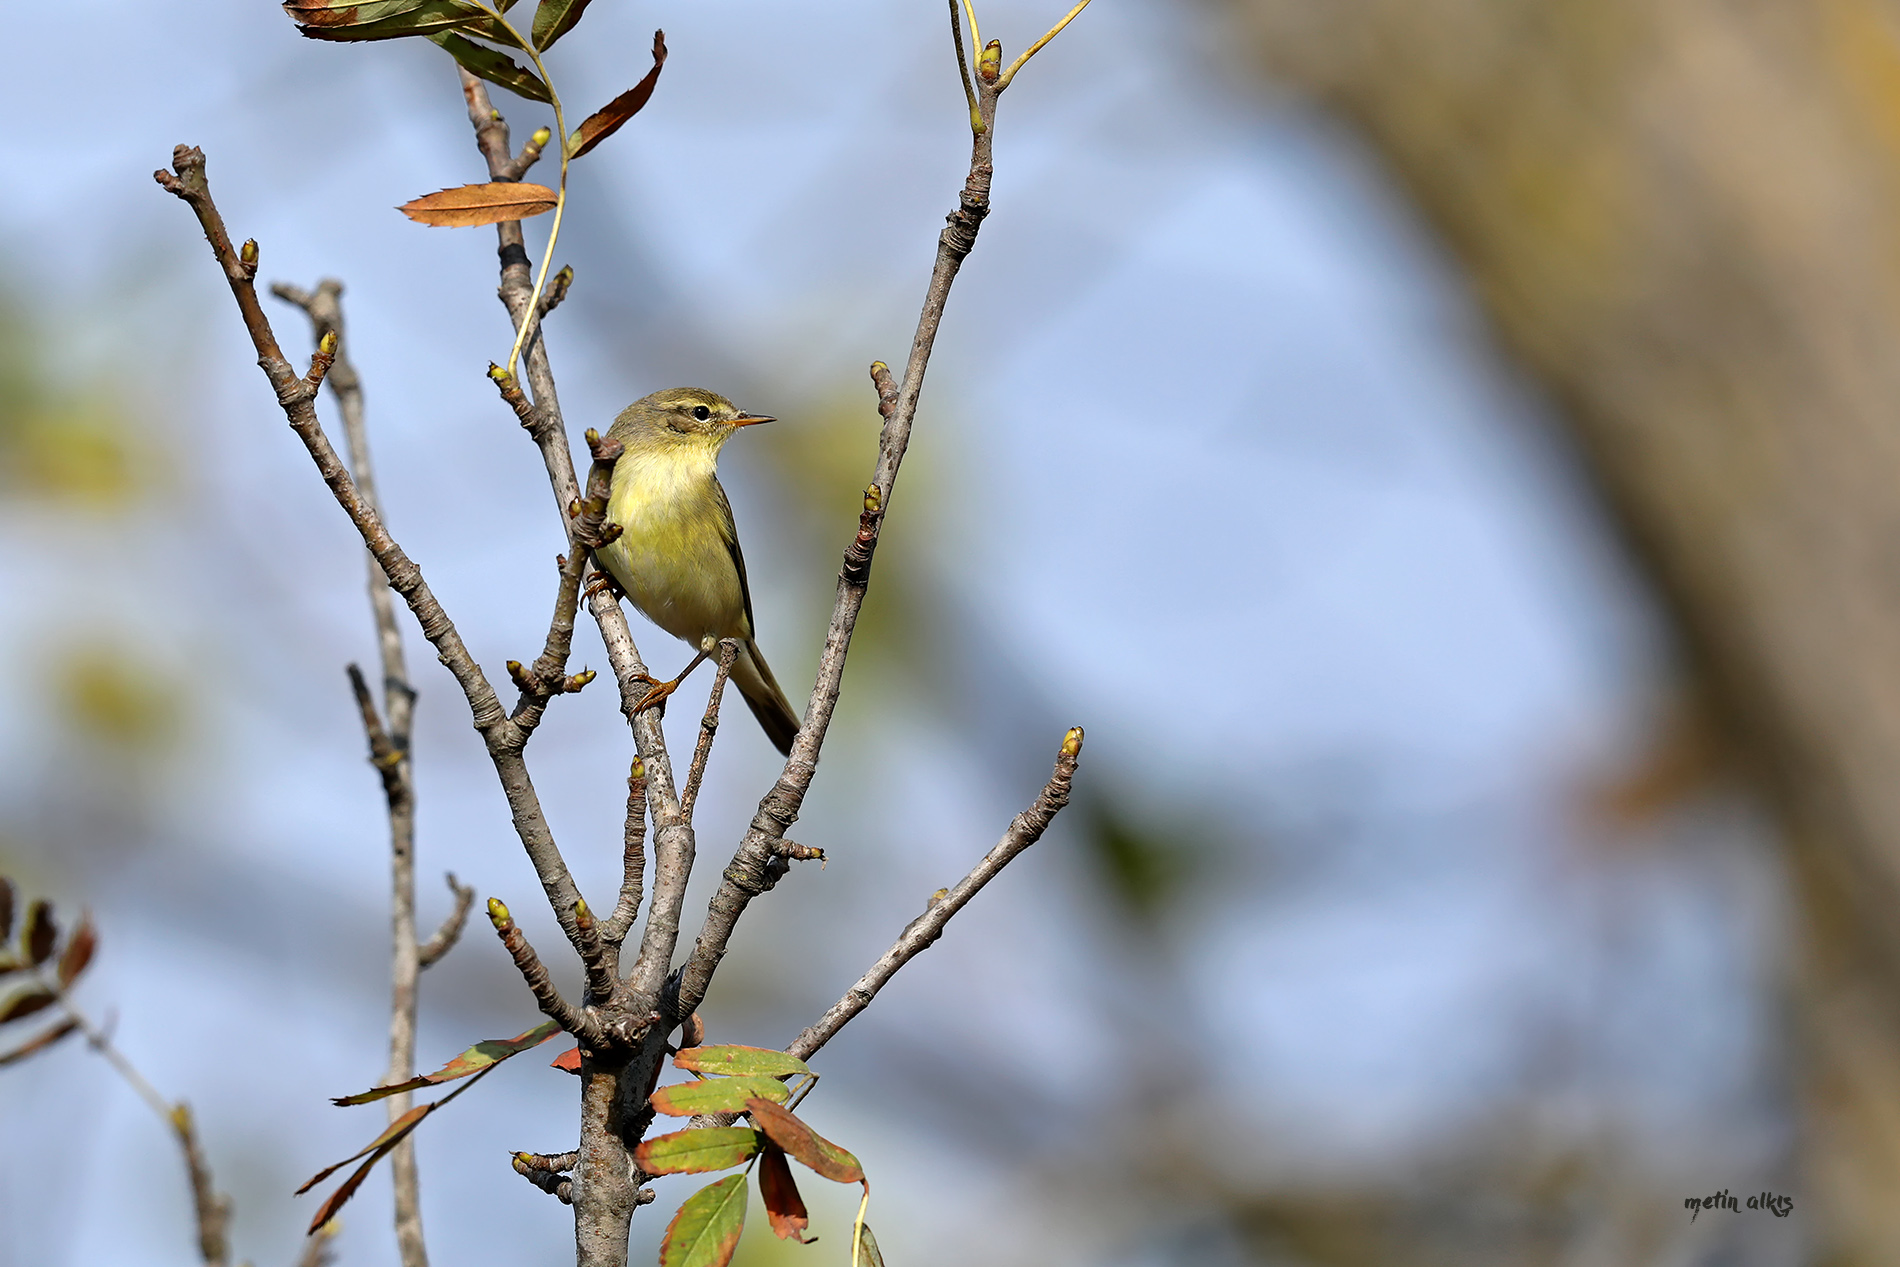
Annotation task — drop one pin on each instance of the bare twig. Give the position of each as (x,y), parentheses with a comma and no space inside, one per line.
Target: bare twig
(752,870)
(557,1009)
(633,860)
(211,1207)
(389,753)
(450,930)
(1024,830)
(296,395)
(553,1182)
(708,726)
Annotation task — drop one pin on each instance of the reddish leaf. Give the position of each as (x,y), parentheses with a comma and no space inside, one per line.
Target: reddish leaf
(757,1061)
(606,121)
(40,934)
(6,908)
(706,1230)
(483,1055)
(397,1129)
(695,1152)
(79,950)
(716,1095)
(803,1143)
(783,1205)
(568,1060)
(491,203)
(26,1003)
(46,1039)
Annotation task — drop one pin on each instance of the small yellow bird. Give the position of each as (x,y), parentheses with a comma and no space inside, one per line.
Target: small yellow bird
(677,556)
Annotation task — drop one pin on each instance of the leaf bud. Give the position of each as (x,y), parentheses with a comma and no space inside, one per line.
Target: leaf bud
(498,914)
(248,252)
(583,918)
(1072,742)
(990,63)
(592,436)
(639,770)
(873,499)
(540,137)
(576,681)
(327,344)
(497,373)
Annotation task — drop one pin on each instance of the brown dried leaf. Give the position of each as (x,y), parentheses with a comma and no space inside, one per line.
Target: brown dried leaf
(40,934)
(606,121)
(783,1206)
(26,1003)
(46,1039)
(490,203)
(79,952)
(805,1144)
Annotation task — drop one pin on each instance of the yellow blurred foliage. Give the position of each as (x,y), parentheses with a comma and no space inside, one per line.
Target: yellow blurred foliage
(58,441)
(106,695)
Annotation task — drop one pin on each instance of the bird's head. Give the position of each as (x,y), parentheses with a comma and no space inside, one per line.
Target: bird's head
(683,417)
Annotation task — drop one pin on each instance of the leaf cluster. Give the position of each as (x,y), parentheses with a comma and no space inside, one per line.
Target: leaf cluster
(752,1082)
(39,952)
(482,39)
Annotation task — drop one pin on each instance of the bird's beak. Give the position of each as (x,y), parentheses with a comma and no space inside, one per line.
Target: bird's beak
(748,420)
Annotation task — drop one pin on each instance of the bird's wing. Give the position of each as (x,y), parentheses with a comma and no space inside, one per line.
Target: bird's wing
(731,531)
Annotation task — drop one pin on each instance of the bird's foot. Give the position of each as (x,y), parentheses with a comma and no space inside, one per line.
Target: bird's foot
(658,692)
(604,582)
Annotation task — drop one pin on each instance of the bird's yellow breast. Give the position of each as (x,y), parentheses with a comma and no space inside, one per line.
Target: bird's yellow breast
(673,556)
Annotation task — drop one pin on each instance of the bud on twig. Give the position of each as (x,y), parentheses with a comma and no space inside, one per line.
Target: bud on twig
(498,915)
(540,137)
(1072,742)
(247,253)
(989,64)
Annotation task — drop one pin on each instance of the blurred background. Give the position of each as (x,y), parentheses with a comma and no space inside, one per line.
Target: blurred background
(1441,450)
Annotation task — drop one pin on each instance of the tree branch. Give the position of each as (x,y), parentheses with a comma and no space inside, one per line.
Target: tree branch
(557,1009)
(296,396)
(1024,830)
(389,753)
(450,930)
(708,726)
(751,871)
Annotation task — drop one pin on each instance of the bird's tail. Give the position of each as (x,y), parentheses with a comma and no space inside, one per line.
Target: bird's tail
(754,679)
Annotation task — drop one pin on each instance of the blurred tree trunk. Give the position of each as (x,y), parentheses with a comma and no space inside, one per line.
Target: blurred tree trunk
(1684,216)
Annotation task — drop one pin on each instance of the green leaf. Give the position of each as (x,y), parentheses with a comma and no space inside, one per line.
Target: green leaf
(695,1152)
(803,1143)
(867,1255)
(347,12)
(761,1062)
(706,1230)
(418,19)
(717,1095)
(606,121)
(553,19)
(481,1056)
(496,68)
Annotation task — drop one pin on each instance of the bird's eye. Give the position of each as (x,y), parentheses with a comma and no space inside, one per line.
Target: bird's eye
(701,412)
